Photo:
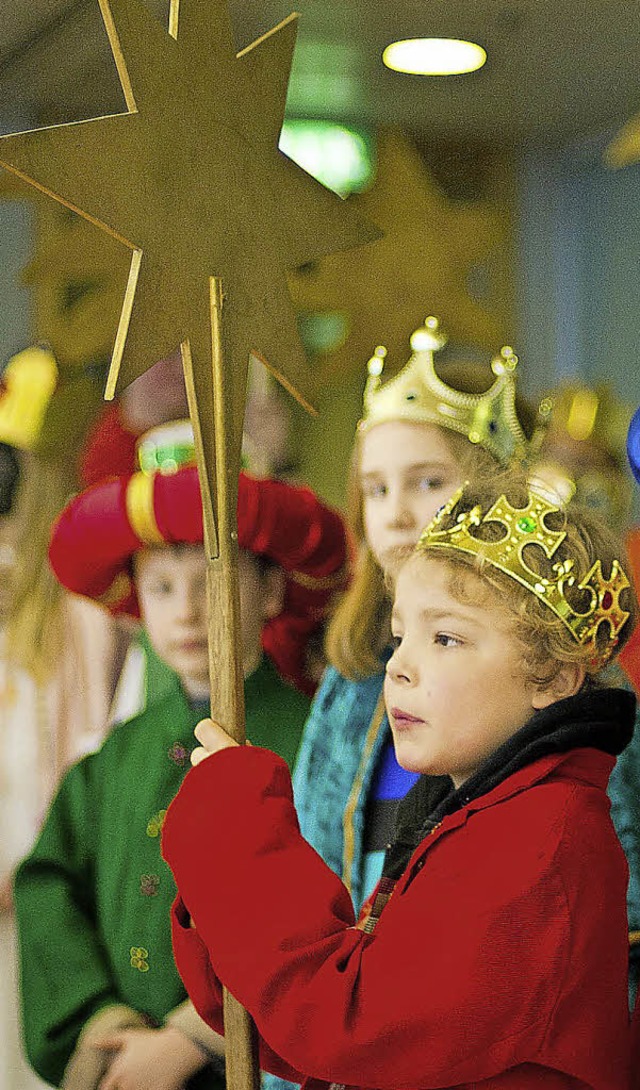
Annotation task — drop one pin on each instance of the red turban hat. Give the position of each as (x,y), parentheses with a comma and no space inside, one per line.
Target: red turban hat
(94,538)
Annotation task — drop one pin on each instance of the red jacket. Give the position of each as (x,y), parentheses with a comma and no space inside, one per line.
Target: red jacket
(499,962)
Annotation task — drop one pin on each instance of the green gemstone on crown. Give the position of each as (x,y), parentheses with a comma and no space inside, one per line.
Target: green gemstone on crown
(527,524)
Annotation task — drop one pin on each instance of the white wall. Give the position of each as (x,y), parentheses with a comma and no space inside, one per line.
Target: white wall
(15,251)
(15,312)
(579,275)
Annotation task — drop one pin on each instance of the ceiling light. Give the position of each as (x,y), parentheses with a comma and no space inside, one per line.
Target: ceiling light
(434,56)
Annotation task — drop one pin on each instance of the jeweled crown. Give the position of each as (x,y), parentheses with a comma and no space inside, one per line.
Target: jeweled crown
(418,395)
(524,527)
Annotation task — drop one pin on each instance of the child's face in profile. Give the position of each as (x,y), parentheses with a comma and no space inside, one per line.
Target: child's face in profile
(406,473)
(455,686)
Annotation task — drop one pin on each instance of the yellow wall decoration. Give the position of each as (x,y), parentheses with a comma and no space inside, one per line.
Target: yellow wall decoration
(28,383)
(423,264)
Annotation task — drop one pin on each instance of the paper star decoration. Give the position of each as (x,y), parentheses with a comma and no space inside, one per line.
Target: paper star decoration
(422,266)
(191,180)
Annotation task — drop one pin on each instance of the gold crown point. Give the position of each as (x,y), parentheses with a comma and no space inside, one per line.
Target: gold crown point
(505,362)
(428,337)
(607,593)
(376,363)
(433,325)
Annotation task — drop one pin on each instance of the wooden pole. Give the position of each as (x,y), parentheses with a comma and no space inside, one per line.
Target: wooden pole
(225,638)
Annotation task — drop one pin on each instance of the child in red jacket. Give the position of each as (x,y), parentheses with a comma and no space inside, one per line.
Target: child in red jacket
(493,953)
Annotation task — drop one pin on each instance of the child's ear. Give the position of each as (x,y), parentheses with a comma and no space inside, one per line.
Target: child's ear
(567,682)
(273,592)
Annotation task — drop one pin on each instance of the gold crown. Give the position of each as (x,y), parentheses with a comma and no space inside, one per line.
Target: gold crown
(26,388)
(419,396)
(596,419)
(525,526)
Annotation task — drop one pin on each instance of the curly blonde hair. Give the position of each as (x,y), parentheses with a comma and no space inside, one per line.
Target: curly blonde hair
(546,640)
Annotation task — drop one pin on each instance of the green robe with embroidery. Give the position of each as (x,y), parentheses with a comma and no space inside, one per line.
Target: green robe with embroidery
(93,897)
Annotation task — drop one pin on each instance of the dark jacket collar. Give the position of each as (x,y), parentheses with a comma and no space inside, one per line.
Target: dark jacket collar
(600,719)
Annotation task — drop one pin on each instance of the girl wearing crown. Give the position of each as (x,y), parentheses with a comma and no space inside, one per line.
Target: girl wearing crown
(418,438)
(493,953)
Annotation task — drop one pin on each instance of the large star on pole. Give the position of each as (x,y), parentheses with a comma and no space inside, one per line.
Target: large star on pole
(192,181)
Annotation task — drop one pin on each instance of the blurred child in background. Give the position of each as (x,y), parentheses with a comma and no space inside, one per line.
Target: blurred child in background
(101,996)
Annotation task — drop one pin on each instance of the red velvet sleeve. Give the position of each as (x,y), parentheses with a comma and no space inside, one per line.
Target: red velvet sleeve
(205,989)
(385,1009)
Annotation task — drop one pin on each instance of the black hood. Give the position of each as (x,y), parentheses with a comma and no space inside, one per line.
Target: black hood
(594,719)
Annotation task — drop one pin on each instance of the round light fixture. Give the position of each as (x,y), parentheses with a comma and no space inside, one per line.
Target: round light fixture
(434,56)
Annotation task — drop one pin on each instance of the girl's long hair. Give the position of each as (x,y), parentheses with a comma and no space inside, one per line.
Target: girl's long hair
(359,627)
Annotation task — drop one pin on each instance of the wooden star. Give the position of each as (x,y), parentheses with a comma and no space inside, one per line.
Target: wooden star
(192,182)
(78,276)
